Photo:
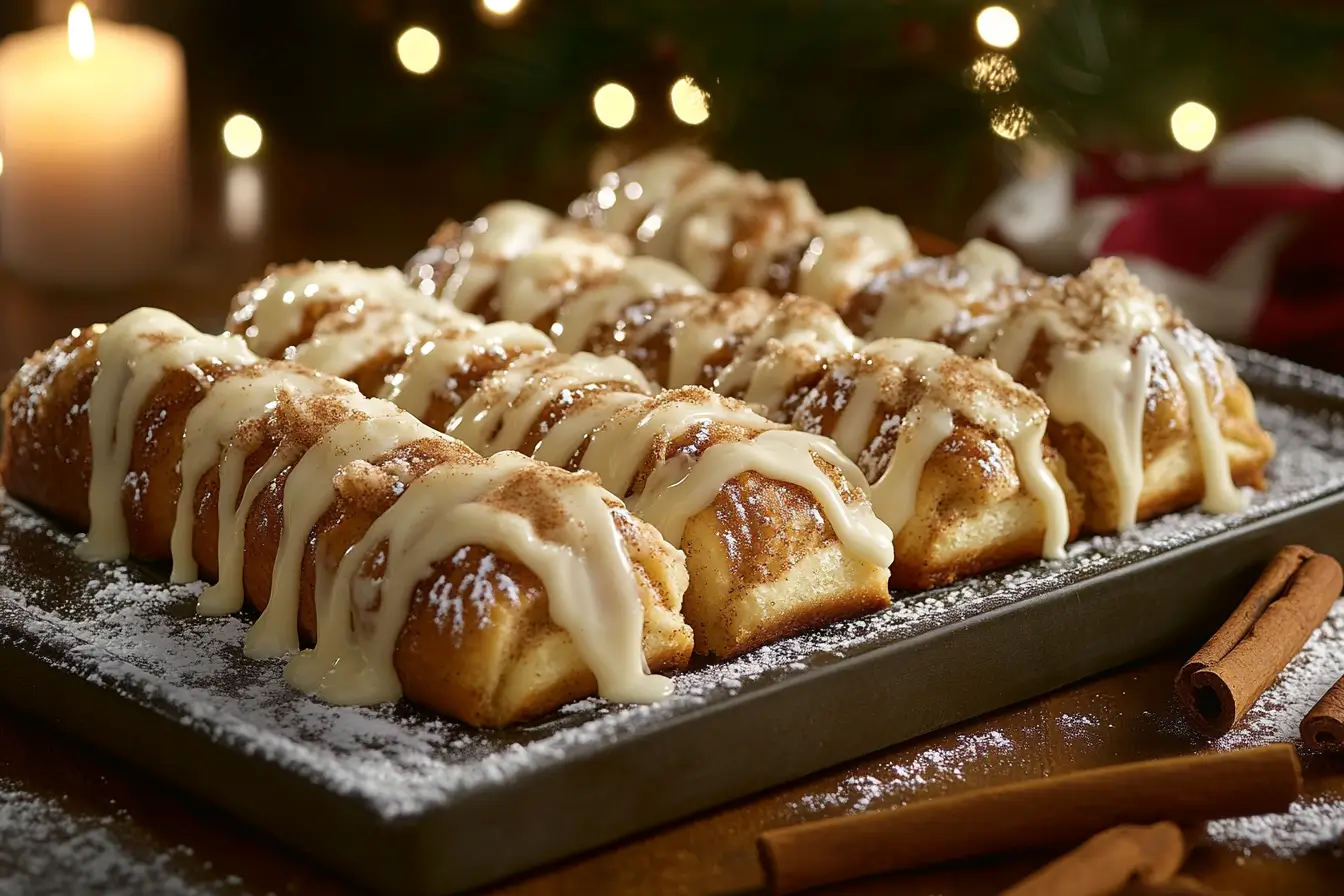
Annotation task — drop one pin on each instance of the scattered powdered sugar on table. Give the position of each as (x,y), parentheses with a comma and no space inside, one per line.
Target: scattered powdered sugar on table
(894,780)
(1308,825)
(122,628)
(46,849)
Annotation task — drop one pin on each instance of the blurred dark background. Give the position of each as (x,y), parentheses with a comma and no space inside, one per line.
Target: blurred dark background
(901,105)
(870,101)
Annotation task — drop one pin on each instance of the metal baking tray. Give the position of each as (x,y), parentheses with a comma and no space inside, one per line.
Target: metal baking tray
(402,801)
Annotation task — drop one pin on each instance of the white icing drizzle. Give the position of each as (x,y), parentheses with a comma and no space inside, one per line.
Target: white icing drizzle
(1021,424)
(927,296)
(662,230)
(849,249)
(777,216)
(343,350)
(309,490)
(274,309)
(210,427)
(134,353)
(427,369)
(625,197)
(763,367)
(642,278)
(1221,494)
(563,440)
(225,596)
(506,406)
(558,267)
(502,232)
(587,574)
(679,488)
(676,491)
(1100,380)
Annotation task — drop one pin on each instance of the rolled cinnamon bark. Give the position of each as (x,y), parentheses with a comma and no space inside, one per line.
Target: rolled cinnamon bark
(1286,604)
(1110,861)
(1049,812)
(1323,727)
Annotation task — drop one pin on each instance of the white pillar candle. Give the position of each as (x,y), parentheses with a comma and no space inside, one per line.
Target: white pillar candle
(93,136)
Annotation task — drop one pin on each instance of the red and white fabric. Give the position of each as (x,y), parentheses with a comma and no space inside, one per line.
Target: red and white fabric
(1247,236)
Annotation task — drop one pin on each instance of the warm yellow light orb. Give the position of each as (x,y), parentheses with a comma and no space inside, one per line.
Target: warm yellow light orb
(614,105)
(993,73)
(1011,122)
(997,27)
(1193,125)
(418,50)
(242,136)
(689,102)
(501,7)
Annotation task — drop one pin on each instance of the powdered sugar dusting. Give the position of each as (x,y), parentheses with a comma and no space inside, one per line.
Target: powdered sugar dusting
(894,781)
(1308,825)
(46,848)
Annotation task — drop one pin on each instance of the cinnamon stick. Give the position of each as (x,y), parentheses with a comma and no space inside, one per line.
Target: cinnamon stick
(1286,604)
(1059,811)
(1109,862)
(1323,727)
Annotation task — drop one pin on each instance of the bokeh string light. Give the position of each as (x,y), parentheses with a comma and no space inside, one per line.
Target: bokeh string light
(997,27)
(499,9)
(614,105)
(242,136)
(1011,122)
(418,50)
(1193,126)
(993,73)
(689,102)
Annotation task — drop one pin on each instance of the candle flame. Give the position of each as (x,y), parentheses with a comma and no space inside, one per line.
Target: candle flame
(80,29)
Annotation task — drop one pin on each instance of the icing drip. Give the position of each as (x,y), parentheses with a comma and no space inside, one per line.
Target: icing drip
(951,387)
(225,596)
(429,367)
(499,415)
(849,249)
(587,574)
(624,198)
(1221,494)
(680,487)
(1103,329)
(1105,390)
(343,350)
(564,439)
(619,448)
(765,365)
(134,353)
(271,311)
(379,428)
(210,428)
(641,279)
(502,232)
(927,296)
(537,282)
(676,491)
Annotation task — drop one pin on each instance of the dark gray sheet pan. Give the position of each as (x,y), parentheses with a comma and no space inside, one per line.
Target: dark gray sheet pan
(404,802)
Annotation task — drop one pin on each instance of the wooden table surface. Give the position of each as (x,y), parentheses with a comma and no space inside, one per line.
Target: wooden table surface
(327,208)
